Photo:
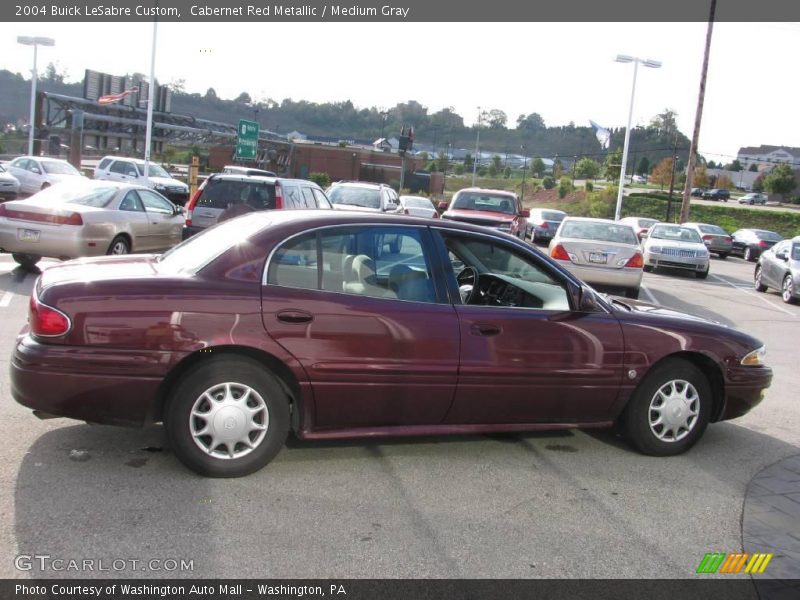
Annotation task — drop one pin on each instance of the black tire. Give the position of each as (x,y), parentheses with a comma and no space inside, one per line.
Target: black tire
(702,274)
(786,290)
(723,255)
(649,268)
(638,414)
(748,254)
(189,393)
(757,284)
(45,186)
(632,293)
(119,245)
(26,261)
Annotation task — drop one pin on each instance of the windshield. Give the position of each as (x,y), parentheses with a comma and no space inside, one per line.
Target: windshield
(97,197)
(154,171)
(712,229)
(197,251)
(59,168)
(602,232)
(416,202)
(675,233)
(355,196)
(499,203)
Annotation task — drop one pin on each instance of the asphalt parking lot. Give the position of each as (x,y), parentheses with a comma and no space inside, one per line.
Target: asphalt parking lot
(557,504)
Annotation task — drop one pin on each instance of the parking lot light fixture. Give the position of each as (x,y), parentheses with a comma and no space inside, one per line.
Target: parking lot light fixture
(477,148)
(652,64)
(26,40)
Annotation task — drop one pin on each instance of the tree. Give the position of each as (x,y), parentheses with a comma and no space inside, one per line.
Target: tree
(468,161)
(644,166)
(700,177)
(758,184)
(712,164)
(497,161)
(613,165)
(244,98)
(495,118)
(733,166)
(492,170)
(587,169)
(531,122)
(447,119)
(178,86)
(537,166)
(724,182)
(211,94)
(662,172)
(548,182)
(52,74)
(507,172)
(780,180)
(443,161)
(664,122)
(753,168)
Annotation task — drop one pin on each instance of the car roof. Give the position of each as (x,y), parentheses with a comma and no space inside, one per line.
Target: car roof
(487,190)
(365,184)
(592,220)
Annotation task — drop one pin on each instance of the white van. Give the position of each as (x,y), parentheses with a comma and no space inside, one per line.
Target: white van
(131,170)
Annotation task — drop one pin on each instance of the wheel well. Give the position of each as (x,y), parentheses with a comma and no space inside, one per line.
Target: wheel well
(713,373)
(127,239)
(284,375)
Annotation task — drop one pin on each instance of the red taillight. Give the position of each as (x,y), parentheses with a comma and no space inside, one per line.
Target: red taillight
(278,195)
(29,215)
(47,321)
(763,244)
(708,238)
(636,261)
(543,225)
(435,215)
(559,253)
(191,204)
(3,210)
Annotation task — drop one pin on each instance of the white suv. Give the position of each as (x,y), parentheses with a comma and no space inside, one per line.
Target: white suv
(131,170)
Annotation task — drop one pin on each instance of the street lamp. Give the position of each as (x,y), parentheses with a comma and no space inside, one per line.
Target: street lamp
(652,64)
(477,148)
(524,171)
(35,42)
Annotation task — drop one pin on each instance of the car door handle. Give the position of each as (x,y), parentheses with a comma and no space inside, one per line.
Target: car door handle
(294,317)
(485,329)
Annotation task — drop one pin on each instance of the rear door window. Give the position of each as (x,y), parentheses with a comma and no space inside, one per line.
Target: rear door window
(104,163)
(293,198)
(223,193)
(322,199)
(308,197)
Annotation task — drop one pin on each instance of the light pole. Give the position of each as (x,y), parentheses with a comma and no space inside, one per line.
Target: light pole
(524,170)
(652,64)
(35,42)
(477,148)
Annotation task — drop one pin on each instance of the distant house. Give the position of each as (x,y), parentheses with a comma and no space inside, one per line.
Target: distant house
(765,157)
(742,180)
(296,135)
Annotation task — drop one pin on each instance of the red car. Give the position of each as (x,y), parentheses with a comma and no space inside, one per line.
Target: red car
(498,209)
(340,324)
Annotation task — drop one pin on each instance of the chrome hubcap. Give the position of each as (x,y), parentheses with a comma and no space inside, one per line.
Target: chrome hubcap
(674,410)
(787,289)
(119,248)
(229,420)
(758,277)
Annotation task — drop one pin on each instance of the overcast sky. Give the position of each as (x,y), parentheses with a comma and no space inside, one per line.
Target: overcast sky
(563,71)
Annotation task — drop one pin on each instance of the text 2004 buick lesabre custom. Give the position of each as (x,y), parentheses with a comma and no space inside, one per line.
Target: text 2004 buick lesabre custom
(343,325)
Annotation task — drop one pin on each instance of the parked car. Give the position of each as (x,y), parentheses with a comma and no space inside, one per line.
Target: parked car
(88,218)
(294,320)
(714,237)
(639,179)
(675,247)
(641,225)
(717,194)
(131,170)
(750,243)
(600,252)
(543,223)
(36,173)
(363,196)
(9,185)
(753,198)
(498,209)
(698,192)
(224,196)
(418,206)
(238,170)
(779,268)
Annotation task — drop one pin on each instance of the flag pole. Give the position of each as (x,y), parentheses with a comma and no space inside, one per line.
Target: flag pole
(150,100)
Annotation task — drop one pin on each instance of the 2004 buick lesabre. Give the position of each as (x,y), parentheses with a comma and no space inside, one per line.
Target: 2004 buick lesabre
(339,325)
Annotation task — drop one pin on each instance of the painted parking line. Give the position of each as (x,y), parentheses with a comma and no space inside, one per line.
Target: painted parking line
(6,299)
(751,292)
(650,298)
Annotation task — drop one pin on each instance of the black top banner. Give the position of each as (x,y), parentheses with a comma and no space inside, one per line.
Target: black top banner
(198,11)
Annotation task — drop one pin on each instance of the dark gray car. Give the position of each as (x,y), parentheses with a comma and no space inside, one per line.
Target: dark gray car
(779,268)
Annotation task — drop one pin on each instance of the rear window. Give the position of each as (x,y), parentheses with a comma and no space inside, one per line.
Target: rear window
(549,215)
(355,196)
(712,229)
(601,232)
(417,202)
(224,193)
(769,236)
(99,197)
(59,168)
(675,233)
(647,223)
(499,203)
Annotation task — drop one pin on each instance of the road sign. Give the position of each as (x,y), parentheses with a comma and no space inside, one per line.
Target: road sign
(247,140)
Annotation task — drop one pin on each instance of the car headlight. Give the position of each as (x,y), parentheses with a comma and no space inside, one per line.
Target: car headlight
(702,253)
(755,358)
(160,187)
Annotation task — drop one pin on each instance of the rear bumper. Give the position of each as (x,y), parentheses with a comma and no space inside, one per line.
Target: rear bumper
(744,390)
(626,277)
(99,385)
(64,241)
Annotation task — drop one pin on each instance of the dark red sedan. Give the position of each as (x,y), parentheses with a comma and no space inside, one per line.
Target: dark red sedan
(336,325)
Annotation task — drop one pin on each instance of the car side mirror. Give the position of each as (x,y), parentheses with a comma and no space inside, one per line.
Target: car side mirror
(36,170)
(178,210)
(442,205)
(587,301)
(525,213)
(782,255)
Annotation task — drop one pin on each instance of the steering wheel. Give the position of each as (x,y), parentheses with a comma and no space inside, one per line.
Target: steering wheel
(467,284)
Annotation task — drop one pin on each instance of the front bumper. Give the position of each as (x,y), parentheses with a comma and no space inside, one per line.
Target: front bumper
(676,262)
(96,384)
(744,390)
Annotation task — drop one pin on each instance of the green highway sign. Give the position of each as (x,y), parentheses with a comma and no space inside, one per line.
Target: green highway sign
(247,140)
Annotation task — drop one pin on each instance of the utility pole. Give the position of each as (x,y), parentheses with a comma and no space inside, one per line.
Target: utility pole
(672,176)
(477,148)
(697,118)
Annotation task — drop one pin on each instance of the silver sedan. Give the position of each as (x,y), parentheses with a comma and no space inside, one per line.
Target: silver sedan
(9,185)
(88,218)
(676,247)
(600,252)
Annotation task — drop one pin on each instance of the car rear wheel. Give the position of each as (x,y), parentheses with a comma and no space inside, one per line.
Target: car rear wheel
(759,286)
(227,417)
(119,245)
(632,293)
(26,261)
(723,255)
(787,290)
(670,409)
(648,269)
(748,254)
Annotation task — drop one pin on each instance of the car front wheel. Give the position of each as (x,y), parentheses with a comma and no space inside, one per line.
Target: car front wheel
(748,254)
(670,410)
(702,274)
(759,285)
(227,417)
(119,245)
(787,288)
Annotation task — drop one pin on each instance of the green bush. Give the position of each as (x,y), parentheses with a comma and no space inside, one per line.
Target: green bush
(458,169)
(589,186)
(323,180)
(562,191)
(548,182)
